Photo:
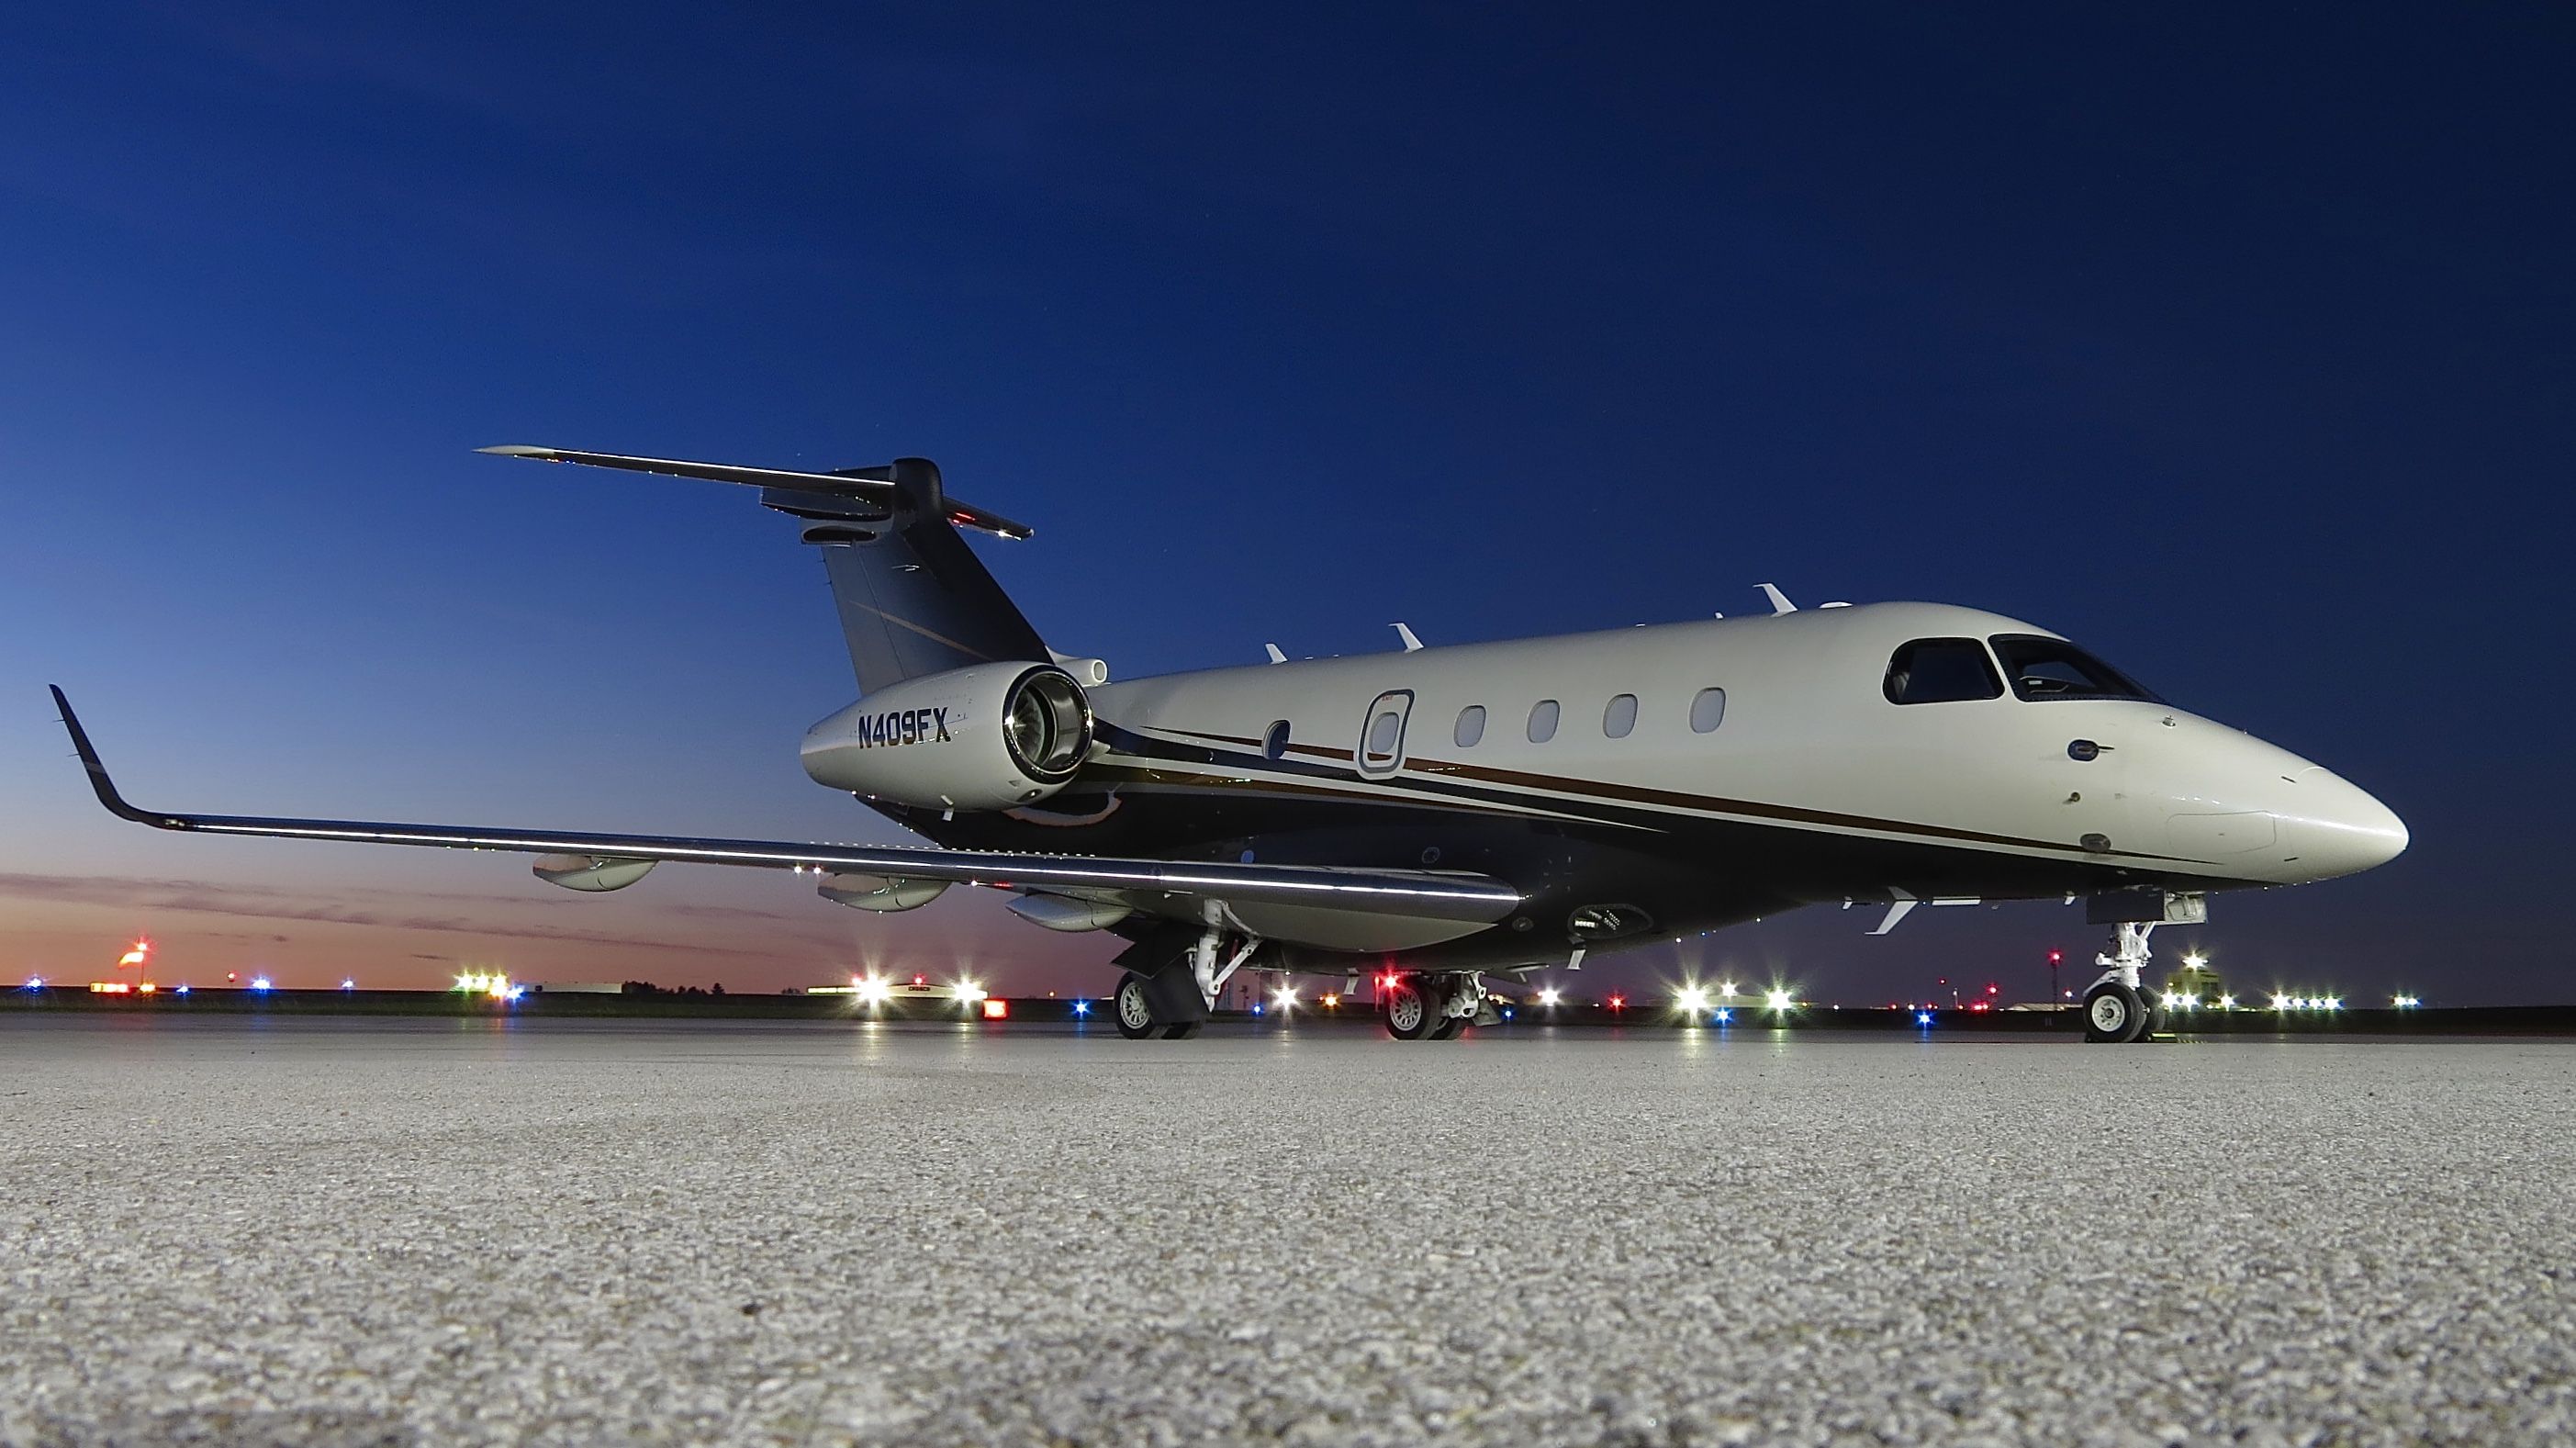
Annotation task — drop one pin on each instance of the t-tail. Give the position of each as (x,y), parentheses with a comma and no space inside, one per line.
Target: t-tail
(913,598)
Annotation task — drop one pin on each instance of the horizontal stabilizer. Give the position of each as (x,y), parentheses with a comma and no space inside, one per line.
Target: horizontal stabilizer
(853,482)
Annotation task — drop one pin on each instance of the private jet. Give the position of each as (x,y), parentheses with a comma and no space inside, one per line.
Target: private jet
(1445,820)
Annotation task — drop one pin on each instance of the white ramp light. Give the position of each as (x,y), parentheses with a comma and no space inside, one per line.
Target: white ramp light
(1692,1001)
(2280,1003)
(2227,1003)
(1778,1000)
(968,992)
(1285,997)
(1727,990)
(1548,996)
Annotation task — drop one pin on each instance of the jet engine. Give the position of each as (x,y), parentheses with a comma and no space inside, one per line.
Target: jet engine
(982,738)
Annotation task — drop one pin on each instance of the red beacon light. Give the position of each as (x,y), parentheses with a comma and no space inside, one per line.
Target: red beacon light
(1618,1003)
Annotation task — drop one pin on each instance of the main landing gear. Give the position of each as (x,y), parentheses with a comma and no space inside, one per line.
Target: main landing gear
(1432,1007)
(2117,1009)
(1173,1002)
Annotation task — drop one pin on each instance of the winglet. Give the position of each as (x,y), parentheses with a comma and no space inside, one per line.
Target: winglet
(1780,603)
(98,780)
(1272,650)
(508,451)
(1411,644)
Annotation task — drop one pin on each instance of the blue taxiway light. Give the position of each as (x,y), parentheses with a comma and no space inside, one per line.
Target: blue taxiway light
(1922,1018)
(1082,1008)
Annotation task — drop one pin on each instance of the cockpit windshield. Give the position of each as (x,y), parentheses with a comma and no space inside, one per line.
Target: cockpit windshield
(2046,668)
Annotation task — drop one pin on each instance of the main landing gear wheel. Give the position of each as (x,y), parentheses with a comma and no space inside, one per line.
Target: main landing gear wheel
(1133,1005)
(1181,1030)
(2113,1013)
(1408,1013)
(1449,1029)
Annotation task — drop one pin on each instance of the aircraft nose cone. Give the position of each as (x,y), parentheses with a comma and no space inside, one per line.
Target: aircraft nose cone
(2340,829)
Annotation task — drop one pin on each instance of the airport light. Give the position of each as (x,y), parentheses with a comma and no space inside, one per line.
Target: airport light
(1285,997)
(968,992)
(2334,1003)
(1725,1016)
(996,1010)
(872,990)
(1922,1018)
(2404,1002)
(35,982)
(2227,1003)
(1618,1003)
(2281,1003)
(1778,1000)
(1082,1008)
(2194,961)
(348,983)
(1727,989)
(1692,1000)
(1548,996)
(1332,1002)
(259,982)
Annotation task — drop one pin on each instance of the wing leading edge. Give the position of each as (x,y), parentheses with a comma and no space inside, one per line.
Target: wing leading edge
(1425,894)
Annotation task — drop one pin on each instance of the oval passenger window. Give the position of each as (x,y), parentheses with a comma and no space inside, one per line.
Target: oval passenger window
(1542,725)
(1274,745)
(1384,731)
(1620,717)
(1471,726)
(1708,710)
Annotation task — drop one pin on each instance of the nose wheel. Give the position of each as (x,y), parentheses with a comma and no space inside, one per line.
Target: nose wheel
(2114,1013)
(2117,1009)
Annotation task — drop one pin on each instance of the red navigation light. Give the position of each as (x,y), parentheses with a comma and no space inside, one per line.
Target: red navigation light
(231,976)
(2056,956)
(921,980)
(1618,1003)
(1993,989)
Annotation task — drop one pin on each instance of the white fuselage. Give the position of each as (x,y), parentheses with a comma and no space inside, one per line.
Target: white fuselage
(1809,785)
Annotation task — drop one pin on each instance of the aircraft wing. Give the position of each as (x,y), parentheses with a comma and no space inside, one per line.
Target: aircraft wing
(1418,895)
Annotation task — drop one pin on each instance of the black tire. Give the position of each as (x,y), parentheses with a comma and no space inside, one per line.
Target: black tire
(2113,1014)
(1450,1028)
(1180,1030)
(1133,1006)
(1405,1010)
(2160,1022)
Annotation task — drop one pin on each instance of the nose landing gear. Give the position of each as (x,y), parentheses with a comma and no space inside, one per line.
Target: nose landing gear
(2117,1009)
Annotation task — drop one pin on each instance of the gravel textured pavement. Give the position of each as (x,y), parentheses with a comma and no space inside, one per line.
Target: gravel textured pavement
(245,1231)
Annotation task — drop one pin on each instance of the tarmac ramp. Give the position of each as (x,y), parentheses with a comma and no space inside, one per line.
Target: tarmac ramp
(427,1231)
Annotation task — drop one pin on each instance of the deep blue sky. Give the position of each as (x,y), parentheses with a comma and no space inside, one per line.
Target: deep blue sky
(2238,346)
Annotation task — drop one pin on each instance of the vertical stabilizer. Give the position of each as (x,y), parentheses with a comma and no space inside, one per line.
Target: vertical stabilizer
(913,598)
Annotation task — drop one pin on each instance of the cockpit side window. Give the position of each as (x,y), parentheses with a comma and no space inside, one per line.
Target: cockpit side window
(2046,668)
(1941,671)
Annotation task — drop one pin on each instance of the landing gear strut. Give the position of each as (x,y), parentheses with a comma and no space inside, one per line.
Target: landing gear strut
(2116,1009)
(1173,1002)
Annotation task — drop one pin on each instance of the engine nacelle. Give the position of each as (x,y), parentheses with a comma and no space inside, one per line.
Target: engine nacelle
(981,738)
